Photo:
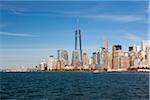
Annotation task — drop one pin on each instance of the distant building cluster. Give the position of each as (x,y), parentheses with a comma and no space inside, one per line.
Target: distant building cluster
(137,57)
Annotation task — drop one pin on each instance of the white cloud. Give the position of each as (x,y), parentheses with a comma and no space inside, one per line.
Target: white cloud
(17,34)
(133,37)
(119,18)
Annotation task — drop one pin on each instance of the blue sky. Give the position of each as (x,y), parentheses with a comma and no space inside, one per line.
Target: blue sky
(31,31)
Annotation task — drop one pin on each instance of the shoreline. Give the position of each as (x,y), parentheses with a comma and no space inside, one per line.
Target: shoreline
(76,71)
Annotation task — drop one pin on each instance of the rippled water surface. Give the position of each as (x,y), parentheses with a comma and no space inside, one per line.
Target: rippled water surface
(74,86)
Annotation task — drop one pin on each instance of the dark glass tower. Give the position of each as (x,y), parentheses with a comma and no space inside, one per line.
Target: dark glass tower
(78,37)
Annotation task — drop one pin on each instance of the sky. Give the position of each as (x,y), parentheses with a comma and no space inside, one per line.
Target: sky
(32,31)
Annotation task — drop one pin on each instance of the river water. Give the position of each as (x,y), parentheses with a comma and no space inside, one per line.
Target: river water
(74,86)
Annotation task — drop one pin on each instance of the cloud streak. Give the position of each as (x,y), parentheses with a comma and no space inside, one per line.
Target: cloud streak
(119,18)
(90,13)
(99,17)
(133,37)
(17,34)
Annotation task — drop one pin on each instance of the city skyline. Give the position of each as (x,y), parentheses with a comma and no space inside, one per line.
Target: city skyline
(31,33)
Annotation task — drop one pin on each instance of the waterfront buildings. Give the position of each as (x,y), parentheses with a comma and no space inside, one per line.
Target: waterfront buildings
(116,60)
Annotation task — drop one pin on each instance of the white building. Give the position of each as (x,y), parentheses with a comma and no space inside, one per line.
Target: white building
(138,48)
(148,56)
(51,62)
(145,44)
(43,64)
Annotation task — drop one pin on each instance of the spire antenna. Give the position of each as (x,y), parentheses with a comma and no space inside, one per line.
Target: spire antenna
(77,21)
(106,43)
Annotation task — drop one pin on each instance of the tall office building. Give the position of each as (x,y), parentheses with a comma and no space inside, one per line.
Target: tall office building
(84,57)
(51,62)
(145,44)
(125,62)
(101,53)
(130,48)
(58,66)
(98,57)
(109,60)
(95,58)
(107,44)
(78,37)
(132,55)
(133,48)
(80,42)
(101,58)
(138,48)
(143,54)
(59,54)
(116,55)
(106,59)
(62,55)
(148,55)
(43,65)
(75,58)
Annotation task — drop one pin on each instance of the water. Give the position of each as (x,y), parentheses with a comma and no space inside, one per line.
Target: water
(74,86)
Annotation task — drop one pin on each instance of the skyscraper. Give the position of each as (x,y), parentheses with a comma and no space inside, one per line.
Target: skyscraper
(75,58)
(43,65)
(80,41)
(130,48)
(98,57)
(109,60)
(145,44)
(125,63)
(107,44)
(134,48)
(132,55)
(84,57)
(63,55)
(58,64)
(148,55)
(76,39)
(58,54)
(51,62)
(95,58)
(105,58)
(138,48)
(116,55)
(78,34)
